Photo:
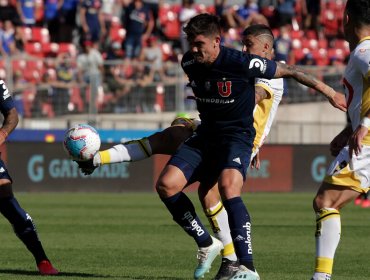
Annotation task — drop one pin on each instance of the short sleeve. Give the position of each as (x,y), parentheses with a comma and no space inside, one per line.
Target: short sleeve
(6,101)
(259,67)
(362,62)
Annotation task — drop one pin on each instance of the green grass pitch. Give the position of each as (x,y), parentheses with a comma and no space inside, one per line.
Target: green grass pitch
(131,236)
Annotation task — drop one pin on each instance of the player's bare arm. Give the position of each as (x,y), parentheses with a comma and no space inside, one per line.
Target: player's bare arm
(9,124)
(355,141)
(261,94)
(290,71)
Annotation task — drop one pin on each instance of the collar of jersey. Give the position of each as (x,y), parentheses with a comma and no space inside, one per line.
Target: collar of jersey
(364,39)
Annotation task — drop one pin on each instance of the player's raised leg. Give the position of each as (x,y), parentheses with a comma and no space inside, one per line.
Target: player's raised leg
(163,142)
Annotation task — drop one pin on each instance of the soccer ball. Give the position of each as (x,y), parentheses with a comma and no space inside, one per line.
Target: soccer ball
(81,142)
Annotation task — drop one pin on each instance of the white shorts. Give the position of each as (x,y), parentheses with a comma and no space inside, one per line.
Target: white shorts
(351,173)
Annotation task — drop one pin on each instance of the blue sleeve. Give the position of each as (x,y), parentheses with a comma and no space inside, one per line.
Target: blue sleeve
(259,67)
(6,101)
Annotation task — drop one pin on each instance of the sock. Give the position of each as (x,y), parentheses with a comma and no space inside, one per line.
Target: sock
(328,229)
(217,217)
(321,276)
(130,151)
(23,226)
(183,213)
(240,227)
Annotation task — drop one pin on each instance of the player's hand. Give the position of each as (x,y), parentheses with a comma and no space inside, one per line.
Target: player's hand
(338,100)
(355,141)
(256,163)
(87,167)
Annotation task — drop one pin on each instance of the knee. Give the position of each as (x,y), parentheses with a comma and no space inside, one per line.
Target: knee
(166,189)
(6,189)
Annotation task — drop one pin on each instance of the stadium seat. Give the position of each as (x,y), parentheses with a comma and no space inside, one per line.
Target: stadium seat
(296,44)
(296,34)
(323,43)
(18,65)
(320,56)
(34,49)
(68,48)
(50,49)
(40,35)
(117,33)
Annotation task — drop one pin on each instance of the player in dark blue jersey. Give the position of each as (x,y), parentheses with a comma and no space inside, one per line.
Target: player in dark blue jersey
(222,80)
(21,221)
(168,140)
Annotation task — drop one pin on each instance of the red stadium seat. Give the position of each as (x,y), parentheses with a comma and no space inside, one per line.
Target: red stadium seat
(68,48)
(296,34)
(320,56)
(34,49)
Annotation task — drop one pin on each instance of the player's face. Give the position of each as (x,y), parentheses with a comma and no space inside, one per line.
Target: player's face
(205,49)
(253,45)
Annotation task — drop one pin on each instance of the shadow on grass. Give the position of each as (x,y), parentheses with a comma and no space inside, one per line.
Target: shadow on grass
(61,274)
(84,275)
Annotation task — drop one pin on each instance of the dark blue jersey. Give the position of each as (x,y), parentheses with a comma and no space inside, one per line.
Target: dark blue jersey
(6,101)
(224,91)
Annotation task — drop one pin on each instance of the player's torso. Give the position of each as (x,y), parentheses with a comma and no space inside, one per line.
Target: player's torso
(357,84)
(265,111)
(223,92)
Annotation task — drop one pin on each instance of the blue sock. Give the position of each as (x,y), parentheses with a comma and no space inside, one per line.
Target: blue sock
(240,228)
(23,226)
(183,213)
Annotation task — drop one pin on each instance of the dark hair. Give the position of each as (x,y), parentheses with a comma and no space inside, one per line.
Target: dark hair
(359,10)
(203,24)
(258,29)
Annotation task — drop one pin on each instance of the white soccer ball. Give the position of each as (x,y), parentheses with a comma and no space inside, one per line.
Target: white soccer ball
(81,142)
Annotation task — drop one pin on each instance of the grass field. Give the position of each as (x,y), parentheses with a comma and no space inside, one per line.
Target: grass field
(131,236)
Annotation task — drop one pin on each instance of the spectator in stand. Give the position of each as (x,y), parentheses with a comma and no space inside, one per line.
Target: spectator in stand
(90,67)
(7,39)
(268,9)
(152,56)
(238,17)
(283,45)
(186,13)
(42,104)
(26,11)
(285,12)
(9,12)
(117,83)
(19,38)
(139,23)
(62,87)
(153,6)
(221,12)
(67,19)
(109,9)
(312,17)
(92,21)
(51,18)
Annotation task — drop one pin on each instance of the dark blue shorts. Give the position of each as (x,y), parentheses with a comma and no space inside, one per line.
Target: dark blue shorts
(202,159)
(4,174)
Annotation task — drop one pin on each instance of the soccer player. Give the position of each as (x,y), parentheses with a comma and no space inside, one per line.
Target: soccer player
(20,220)
(349,174)
(223,82)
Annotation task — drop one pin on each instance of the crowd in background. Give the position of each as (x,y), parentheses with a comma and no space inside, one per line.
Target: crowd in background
(55,46)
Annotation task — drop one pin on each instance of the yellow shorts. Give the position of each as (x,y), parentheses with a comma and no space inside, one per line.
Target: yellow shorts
(351,173)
